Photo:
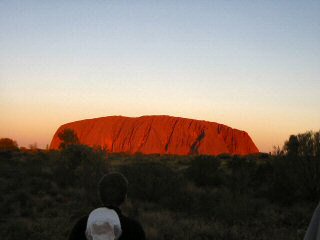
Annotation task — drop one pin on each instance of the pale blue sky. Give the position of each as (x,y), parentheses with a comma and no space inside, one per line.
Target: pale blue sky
(252,65)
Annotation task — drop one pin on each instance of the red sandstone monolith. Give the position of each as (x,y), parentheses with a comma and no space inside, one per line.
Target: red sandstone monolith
(159,135)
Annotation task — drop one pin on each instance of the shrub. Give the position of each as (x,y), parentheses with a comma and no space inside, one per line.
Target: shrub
(204,171)
(68,137)
(7,144)
(240,175)
(151,181)
(297,169)
(81,166)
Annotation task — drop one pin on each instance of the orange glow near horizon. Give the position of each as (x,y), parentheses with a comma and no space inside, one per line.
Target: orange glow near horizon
(40,132)
(252,66)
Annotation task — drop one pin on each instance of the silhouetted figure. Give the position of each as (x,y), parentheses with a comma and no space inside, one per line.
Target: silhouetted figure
(313,231)
(108,222)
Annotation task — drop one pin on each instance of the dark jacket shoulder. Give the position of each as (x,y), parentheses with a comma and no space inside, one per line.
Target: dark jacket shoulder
(78,232)
(131,229)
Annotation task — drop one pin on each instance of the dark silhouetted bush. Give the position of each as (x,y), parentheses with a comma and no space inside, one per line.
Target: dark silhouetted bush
(7,144)
(151,181)
(297,169)
(81,166)
(240,175)
(68,137)
(204,170)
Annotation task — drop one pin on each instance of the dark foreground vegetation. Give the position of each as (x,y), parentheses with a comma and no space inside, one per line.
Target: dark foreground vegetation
(264,196)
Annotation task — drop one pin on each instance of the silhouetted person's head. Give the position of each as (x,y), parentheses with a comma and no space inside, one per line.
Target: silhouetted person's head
(113,189)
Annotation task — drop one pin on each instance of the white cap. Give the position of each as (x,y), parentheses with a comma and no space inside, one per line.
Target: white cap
(103,224)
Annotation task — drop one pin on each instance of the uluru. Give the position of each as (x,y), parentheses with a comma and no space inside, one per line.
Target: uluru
(159,135)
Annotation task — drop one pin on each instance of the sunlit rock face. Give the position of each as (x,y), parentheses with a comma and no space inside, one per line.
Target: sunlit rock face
(159,135)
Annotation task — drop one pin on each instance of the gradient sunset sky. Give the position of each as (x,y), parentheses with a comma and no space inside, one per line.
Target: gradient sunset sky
(251,65)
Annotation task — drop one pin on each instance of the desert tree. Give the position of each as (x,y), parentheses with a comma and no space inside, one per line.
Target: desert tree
(68,137)
(7,144)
